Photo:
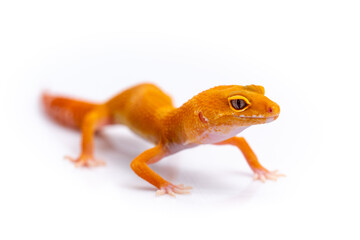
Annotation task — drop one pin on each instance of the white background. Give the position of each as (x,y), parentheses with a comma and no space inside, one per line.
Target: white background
(305,54)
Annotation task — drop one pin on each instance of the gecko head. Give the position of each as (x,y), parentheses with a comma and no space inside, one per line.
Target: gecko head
(236,105)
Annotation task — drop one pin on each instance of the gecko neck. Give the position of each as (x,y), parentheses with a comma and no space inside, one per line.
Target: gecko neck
(174,132)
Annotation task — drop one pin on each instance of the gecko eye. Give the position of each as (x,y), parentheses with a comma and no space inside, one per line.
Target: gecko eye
(239,103)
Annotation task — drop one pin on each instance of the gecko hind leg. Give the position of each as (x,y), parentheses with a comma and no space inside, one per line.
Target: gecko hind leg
(92,121)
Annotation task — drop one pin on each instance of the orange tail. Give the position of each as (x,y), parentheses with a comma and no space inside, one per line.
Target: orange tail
(66,111)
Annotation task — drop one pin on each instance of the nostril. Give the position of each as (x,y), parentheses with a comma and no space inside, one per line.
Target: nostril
(270,109)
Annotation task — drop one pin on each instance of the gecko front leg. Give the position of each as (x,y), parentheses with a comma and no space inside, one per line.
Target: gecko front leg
(141,168)
(260,172)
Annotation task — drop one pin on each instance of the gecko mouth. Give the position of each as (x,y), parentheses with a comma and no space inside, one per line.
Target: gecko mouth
(267,119)
(256,117)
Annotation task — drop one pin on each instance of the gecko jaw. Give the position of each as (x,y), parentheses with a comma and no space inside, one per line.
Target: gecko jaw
(258,117)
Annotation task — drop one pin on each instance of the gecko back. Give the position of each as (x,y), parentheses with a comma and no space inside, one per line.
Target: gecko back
(141,108)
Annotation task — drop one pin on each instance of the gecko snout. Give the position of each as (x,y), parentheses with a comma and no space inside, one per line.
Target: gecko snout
(273,109)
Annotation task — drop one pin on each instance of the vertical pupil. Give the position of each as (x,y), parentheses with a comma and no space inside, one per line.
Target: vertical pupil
(238,103)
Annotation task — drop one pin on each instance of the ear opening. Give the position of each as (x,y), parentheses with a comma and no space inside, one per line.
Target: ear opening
(255,88)
(202,118)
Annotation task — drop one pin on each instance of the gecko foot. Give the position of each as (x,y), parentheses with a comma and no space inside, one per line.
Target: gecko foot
(264,174)
(171,189)
(86,161)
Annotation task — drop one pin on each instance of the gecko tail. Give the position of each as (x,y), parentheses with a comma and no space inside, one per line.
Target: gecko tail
(66,111)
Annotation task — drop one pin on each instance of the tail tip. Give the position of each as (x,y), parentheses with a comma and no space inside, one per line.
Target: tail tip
(46,98)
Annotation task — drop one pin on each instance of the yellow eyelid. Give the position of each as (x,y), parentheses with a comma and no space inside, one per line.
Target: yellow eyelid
(239,97)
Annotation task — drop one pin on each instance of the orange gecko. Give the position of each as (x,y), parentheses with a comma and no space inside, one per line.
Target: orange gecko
(214,116)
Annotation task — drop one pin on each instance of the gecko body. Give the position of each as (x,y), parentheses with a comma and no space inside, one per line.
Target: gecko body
(214,116)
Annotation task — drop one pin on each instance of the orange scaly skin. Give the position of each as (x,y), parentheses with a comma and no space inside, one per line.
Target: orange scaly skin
(214,116)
